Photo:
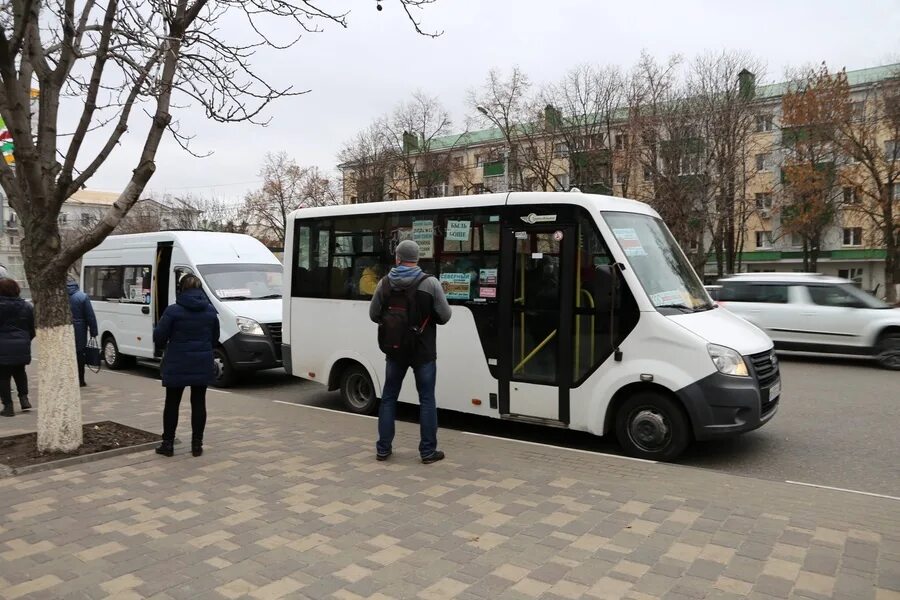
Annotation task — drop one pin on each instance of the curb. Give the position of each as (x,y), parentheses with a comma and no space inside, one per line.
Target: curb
(75,460)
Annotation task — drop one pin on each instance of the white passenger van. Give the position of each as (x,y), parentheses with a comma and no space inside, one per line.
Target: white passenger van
(570,310)
(131,279)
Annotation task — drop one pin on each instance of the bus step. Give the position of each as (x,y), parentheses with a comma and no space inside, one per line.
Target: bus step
(535,421)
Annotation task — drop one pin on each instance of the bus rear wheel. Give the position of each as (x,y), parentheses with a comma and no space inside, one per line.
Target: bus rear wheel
(111,355)
(357,391)
(652,426)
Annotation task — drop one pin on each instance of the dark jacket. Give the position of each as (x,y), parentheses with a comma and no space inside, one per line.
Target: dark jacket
(189,330)
(430,302)
(83,318)
(16,331)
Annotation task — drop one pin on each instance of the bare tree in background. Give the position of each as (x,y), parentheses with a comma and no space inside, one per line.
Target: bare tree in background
(410,132)
(722,87)
(367,164)
(107,59)
(503,103)
(286,187)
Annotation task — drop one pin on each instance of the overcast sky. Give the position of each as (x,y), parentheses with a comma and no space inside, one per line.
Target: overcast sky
(361,72)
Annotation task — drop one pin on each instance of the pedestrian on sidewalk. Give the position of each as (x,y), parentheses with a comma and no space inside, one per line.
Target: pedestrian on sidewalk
(408,305)
(84,321)
(188,330)
(16,333)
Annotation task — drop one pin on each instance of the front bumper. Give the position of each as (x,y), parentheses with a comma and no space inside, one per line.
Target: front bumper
(721,405)
(252,352)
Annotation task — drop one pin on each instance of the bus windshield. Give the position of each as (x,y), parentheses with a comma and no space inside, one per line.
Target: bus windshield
(243,281)
(665,273)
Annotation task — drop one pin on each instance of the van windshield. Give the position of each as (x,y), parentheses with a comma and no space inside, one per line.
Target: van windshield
(660,265)
(243,281)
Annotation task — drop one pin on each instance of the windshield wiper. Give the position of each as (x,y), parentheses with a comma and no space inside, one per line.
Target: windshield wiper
(679,306)
(230,298)
(269,297)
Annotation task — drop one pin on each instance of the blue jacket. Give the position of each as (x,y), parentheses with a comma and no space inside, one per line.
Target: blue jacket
(83,318)
(16,331)
(189,330)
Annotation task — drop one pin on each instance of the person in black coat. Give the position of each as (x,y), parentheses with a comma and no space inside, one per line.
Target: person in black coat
(16,333)
(83,320)
(188,330)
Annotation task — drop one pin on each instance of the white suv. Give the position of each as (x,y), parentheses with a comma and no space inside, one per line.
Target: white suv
(814,313)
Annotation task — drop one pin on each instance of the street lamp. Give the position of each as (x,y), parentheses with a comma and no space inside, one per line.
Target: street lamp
(506,151)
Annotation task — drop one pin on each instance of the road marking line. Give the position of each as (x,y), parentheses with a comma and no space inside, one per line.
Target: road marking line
(340,412)
(494,437)
(837,489)
(218,391)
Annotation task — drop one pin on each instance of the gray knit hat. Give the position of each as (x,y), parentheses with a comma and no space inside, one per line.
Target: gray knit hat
(408,251)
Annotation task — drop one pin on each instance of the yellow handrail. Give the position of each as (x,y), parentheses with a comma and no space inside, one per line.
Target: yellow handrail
(535,351)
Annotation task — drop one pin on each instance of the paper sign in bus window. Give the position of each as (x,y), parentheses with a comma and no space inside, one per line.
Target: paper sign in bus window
(629,241)
(233,293)
(458,231)
(669,297)
(457,286)
(487,292)
(423,235)
(487,276)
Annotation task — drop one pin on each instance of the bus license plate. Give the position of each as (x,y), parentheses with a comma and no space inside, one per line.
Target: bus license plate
(775,390)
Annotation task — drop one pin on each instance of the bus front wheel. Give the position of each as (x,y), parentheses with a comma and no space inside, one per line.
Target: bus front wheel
(357,391)
(652,426)
(224,372)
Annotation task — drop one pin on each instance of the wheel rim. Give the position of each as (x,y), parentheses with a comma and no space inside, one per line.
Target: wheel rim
(890,353)
(219,364)
(358,390)
(648,429)
(109,353)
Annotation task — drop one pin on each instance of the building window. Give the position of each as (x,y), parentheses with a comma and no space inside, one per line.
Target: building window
(478,188)
(764,201)
(764,123)
(562,183)
(763,239)
(63,219)
(890,150)
(621,141)
(853,236)
(352,199)
(762,162)
(479,160)
(459,190)
(851,195)
(458,161)
(560,150)
(620,177)
(393,195)
(85,219)
(648,173)
(858,110)
(854,274)
(796,240)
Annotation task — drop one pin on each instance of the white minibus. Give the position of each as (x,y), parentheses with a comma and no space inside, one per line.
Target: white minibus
(570,310)
(131,279)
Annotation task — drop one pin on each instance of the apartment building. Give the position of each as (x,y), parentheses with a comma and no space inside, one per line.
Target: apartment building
(603,161)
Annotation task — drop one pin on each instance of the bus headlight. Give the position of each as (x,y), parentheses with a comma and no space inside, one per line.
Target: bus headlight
(728,361)
(249,326)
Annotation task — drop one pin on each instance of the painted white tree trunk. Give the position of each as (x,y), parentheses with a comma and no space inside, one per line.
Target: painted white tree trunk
(59,397)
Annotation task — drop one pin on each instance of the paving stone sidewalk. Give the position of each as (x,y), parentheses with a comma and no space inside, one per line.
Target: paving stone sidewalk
(288,502)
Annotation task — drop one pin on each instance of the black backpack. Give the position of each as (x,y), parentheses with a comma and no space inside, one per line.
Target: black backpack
(400,326)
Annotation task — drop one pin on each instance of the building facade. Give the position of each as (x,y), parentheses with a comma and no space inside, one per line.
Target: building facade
(609,159)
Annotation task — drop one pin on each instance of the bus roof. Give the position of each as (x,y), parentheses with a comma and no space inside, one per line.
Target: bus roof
(591,201)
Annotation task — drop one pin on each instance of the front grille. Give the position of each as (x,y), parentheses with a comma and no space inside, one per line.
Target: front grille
(768,406)
(274,330)
(765,368)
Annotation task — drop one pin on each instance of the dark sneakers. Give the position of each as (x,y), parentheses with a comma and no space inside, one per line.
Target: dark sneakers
(166,448)
(433,457)
(23,401)
(7,411)
(382,457)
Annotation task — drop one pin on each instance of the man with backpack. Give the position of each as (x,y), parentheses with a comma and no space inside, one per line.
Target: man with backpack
(408,305)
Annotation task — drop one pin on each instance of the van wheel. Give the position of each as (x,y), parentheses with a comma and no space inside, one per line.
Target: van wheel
(111,356)
(357,391)
(652,426)
(225,375)
(888,351)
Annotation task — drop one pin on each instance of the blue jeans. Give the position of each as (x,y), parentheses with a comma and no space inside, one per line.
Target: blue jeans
(426,376)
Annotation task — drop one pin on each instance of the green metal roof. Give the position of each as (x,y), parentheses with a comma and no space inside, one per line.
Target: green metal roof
(772,90)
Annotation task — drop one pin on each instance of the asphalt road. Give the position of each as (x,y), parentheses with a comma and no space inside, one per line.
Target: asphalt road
(838,425)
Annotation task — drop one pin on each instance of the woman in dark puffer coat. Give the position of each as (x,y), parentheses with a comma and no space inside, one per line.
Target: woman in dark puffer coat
(16,333)
(188,330)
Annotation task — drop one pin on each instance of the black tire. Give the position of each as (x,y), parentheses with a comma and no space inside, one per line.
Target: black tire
(357,391)
(114,359)
(225,373)
(651,425)
(887,352)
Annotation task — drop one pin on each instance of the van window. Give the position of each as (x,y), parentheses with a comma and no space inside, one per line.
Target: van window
(123,284)
(766,293)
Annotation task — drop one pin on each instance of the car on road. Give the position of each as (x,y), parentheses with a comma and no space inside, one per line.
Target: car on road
(808,312)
